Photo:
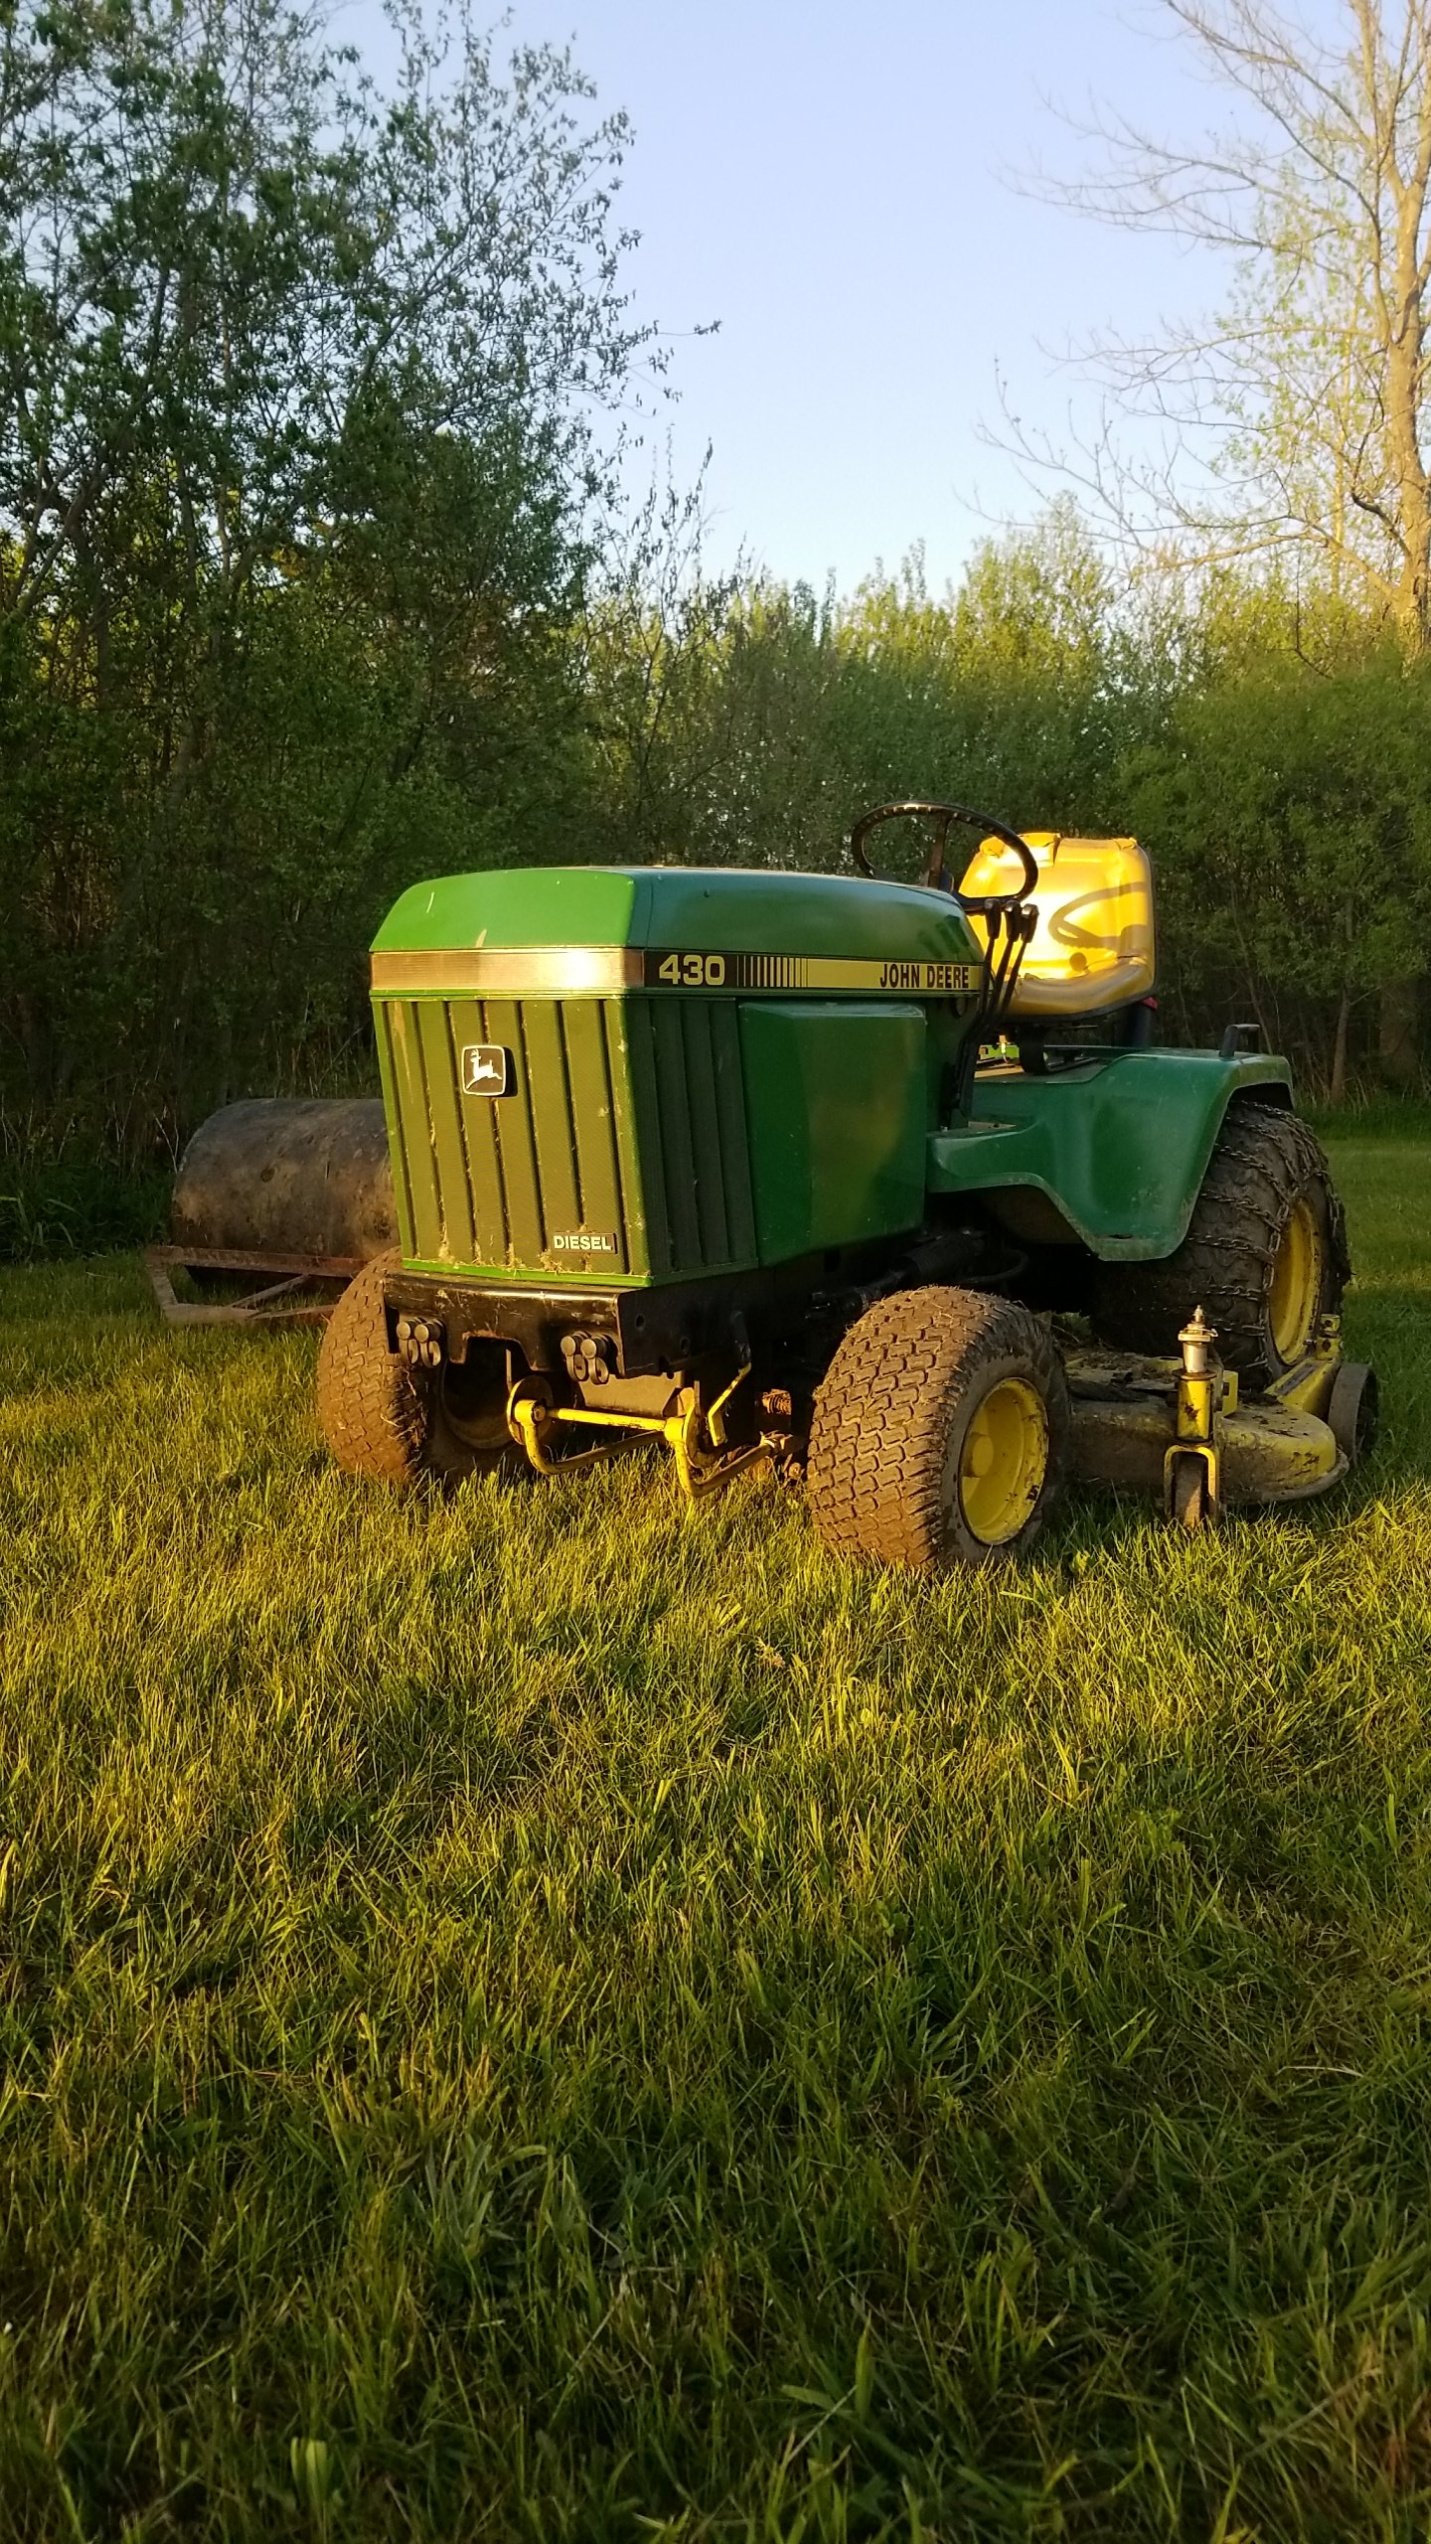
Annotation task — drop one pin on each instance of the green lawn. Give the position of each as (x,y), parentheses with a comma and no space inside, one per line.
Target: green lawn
(547,2016)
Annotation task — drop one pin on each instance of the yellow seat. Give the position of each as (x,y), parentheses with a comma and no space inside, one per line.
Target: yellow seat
(1093,947)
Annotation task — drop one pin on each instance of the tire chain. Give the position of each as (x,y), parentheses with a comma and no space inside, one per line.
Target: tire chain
(1264,1160)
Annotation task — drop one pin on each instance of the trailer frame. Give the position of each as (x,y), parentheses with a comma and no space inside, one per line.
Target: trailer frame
(275,1300)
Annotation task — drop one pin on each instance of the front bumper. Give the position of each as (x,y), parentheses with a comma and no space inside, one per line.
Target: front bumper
(646,1331)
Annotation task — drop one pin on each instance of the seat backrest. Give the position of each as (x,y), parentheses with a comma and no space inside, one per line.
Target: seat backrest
(1093,947)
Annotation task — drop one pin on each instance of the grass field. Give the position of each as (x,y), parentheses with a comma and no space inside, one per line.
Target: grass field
(549,2017)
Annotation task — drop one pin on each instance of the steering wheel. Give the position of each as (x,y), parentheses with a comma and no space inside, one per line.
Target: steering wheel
(935,876)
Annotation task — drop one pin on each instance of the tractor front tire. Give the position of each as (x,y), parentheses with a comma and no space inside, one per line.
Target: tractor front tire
(385,1419)
(941,1432)
(1265,1255)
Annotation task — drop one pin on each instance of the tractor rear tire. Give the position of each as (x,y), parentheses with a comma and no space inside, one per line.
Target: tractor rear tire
(1265,1255)
(941,1432)
(385,1419)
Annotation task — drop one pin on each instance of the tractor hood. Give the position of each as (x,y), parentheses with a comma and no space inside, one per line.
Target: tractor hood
(615,1074)
(591,930)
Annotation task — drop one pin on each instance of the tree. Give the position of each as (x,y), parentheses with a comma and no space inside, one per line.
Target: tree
(1295,820)
(1293,424)
(301,451)
(741,721)
(1293,420)
(1017,691)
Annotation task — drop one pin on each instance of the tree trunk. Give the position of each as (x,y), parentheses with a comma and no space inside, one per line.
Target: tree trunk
(36,1041)
(1337,1091)
(1399,1052)
(1403,299)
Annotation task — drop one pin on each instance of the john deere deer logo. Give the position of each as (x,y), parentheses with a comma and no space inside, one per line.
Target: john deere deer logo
(485,1069)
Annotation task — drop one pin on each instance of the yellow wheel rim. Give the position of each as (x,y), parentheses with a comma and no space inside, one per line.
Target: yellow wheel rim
(1003,1461)
(1296,1284)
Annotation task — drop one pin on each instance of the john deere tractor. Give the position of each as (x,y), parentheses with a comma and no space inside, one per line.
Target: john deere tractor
(882,1182)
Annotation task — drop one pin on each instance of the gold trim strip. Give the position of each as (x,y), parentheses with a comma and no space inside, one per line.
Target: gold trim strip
(517,971)
(534,971)
(917,978)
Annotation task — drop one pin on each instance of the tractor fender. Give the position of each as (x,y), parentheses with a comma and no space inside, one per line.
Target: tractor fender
(1118,1145)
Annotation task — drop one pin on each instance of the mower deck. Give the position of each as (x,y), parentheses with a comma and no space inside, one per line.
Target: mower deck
(1130,1419)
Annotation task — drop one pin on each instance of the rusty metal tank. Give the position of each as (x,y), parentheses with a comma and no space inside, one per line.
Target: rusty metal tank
(287,1176)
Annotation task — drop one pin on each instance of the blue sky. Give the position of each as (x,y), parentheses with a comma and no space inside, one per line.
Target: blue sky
(830,183)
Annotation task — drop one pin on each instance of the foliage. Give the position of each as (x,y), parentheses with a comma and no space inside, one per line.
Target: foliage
(1301,813)
(310,584)
(77,1206)
(755,719)
(1287,433)
(546,2014)
(1288,808)
(299,391)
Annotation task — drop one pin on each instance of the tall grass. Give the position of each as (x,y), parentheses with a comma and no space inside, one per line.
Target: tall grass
(61,1195)
(544,2015)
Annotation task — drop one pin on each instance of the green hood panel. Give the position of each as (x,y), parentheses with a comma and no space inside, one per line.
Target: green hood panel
(577,1085)
(704,909)
(1120,1147)
(558,905)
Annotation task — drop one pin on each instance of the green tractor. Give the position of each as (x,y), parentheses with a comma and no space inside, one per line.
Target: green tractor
(882,1182)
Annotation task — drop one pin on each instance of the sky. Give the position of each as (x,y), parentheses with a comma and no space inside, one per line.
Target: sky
(834,185)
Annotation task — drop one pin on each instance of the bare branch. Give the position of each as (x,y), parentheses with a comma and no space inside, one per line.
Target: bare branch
(1294,417)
